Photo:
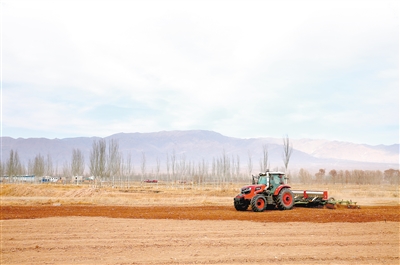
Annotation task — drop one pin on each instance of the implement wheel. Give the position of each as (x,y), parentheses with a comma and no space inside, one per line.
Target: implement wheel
(258,203)
(285,199)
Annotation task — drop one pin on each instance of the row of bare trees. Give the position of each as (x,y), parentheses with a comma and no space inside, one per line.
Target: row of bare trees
(39,166)
(106,163)
(360,177)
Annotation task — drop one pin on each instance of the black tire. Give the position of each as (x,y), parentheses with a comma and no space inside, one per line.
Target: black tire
(258,203)
(241,206)
(285,199)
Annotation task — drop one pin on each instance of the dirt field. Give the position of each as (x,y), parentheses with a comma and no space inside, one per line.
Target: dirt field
(52,225)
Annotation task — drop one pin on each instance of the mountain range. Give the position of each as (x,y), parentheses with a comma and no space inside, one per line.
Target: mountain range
(199,145)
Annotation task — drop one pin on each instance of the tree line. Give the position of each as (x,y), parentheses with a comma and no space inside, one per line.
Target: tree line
(107,164)
(356,176)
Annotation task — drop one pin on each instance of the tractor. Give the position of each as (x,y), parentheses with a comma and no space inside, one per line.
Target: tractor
(268,191)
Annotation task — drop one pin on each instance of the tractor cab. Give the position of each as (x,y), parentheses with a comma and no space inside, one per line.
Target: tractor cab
(271,180)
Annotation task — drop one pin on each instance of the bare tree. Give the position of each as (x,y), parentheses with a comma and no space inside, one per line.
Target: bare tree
(250,164)
(30,166)
(49,168)
(203,171)
(98,159)
(157,167)
(392,176)
(287,152)
(219,171)
(77,163)
(143,167)
(39,166)
(182,168)
(237,168)
(340,177)
(226,167)
(358,176)
(333,173)
(66,172)
(233,169)
(168,167)
(129,170)
(13,165)
(214,169)
(173,165)
(304,176)
(114,160)
(264,167)
(347,176)
(264,159)
(122,175)
(2,168)
(319,177)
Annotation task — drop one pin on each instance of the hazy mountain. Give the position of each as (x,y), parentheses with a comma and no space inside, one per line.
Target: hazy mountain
(195,146)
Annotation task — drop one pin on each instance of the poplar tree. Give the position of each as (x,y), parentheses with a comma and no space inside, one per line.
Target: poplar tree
(77,163)
(13,165)
(287,152)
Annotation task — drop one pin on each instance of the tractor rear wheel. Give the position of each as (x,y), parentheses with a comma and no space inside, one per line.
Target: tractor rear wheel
(285,199)
(258,203)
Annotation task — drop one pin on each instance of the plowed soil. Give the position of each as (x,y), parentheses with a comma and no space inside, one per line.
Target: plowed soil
(312,215)
(197,235)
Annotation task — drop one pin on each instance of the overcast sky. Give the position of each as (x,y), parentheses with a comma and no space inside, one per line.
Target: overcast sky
(307,69)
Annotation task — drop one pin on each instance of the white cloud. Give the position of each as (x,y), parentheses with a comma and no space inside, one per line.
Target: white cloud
(243,68)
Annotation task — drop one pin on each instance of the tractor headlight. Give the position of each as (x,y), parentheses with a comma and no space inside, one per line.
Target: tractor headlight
(246,190)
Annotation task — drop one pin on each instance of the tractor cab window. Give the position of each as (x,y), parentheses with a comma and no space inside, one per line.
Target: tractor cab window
(262,180)
(276,180)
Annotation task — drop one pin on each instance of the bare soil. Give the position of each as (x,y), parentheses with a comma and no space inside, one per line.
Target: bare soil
(57,227)
(219,213)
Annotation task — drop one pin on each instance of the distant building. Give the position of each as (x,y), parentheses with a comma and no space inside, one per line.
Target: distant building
(50,179)
(18,179)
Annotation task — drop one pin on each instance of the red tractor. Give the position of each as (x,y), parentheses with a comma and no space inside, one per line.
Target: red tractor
(269,191)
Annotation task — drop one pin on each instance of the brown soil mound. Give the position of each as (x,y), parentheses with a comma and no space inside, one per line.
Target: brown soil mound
(365,214)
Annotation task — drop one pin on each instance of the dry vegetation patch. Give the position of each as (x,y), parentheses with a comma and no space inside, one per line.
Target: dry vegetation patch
(162,194)
(135,195)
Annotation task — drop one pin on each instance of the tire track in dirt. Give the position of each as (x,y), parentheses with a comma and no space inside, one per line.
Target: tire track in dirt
(313,215)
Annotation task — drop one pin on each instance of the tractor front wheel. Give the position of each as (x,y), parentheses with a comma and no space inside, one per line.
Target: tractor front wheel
(241,206)
(285,199)
(258,203)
